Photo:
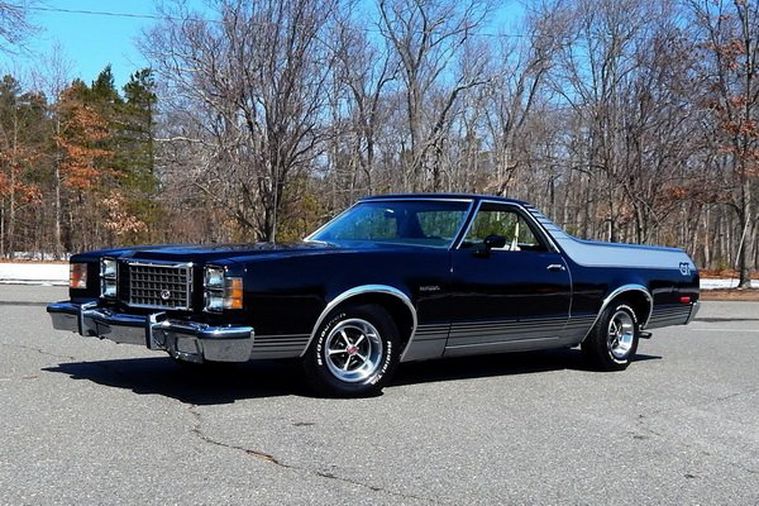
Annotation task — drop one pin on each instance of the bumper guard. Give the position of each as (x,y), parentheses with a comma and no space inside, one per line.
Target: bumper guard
(693,312)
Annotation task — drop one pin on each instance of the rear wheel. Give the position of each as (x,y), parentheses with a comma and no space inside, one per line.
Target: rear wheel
(613,341)
(354,353)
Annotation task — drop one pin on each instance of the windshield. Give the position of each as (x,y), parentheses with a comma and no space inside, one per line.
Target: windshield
(423,223)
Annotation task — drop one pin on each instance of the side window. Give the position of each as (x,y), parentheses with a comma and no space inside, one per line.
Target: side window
(494,219)
(440,224)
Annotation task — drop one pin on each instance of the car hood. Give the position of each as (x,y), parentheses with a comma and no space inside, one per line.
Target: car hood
(235,252)
(211,252)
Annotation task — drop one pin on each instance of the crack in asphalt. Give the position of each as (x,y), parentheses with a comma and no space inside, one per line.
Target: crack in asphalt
(197,429)
(715,319)
(20,378)
(642,420)
(22,303)
(707,402)
(99,365)
(733,395)
(39,350)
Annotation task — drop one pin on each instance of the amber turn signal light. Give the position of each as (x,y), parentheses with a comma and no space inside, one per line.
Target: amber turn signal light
(233,293)
(78,276)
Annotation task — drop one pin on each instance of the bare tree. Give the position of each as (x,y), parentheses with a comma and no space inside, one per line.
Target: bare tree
(730,38)
(520,71)
(15,25)
(427,37)
(53,77)
(253,85)
(366,71)
(626,120)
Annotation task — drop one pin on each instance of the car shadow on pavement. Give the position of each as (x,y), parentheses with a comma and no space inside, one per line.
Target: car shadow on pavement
(227,383)
(505,364)
(192,384)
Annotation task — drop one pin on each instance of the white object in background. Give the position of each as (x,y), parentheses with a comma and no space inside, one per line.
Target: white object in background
(713,284)
(31,273)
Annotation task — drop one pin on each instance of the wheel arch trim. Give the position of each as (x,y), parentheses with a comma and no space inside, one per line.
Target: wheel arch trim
(366,290)
(630,287)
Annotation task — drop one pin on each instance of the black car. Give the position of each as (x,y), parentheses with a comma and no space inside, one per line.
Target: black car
(395,278)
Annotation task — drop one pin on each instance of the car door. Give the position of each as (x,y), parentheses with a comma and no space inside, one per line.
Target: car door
(510,297)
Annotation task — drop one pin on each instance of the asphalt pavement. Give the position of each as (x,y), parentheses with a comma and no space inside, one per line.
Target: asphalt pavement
(86,421)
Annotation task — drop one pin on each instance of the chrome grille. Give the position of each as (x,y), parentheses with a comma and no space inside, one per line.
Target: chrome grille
(164,286)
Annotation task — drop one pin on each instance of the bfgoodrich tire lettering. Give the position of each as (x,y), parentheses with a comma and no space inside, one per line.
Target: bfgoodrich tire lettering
(613,341)
(354,353)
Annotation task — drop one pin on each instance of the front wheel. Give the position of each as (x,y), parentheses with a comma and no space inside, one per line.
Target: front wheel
(613,341)
(354,353)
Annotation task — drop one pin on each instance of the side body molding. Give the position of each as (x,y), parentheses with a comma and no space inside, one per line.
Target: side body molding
(366,290)
(619,291)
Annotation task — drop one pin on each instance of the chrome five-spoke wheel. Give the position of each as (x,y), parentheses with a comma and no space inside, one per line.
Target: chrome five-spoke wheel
(613,341)
(354,353)
(353,350)
(621,334)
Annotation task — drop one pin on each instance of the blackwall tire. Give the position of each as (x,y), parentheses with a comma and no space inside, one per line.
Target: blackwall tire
(613,341)
(354,352)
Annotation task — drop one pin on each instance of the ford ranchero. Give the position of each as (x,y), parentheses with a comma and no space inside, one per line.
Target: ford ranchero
(394,278)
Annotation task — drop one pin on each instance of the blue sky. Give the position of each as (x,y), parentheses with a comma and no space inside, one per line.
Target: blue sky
(90,42)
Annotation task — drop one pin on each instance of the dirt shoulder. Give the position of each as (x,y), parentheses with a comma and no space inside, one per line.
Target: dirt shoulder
(724,273)
(751,295)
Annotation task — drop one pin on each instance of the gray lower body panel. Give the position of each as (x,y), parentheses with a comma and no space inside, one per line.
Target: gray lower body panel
(672,314)
(578,327)
(499,336)
(496,336)
(279,346)
(428,343)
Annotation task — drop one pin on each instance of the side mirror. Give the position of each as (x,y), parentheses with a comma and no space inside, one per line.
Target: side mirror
(494,241)
(489,243)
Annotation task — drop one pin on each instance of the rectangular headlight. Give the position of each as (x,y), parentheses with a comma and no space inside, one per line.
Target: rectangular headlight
(108,268)
(108,288)
(214,301)
(78,276)
(214,278)
(109,278)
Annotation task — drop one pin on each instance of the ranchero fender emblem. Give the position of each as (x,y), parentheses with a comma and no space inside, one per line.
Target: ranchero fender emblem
(684,268)
(165,294)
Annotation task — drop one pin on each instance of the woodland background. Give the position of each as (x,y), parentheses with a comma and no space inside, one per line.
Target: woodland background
(623,120)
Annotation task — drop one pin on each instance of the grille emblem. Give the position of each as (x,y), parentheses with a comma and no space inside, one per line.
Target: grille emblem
(165,294)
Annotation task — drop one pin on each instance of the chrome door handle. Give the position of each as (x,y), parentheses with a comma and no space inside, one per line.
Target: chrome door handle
(556,267)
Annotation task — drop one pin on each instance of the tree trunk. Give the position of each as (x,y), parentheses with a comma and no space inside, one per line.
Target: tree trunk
(58,246)
(744,219)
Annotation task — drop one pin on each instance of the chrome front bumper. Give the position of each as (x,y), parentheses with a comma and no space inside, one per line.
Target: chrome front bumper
(183,339)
